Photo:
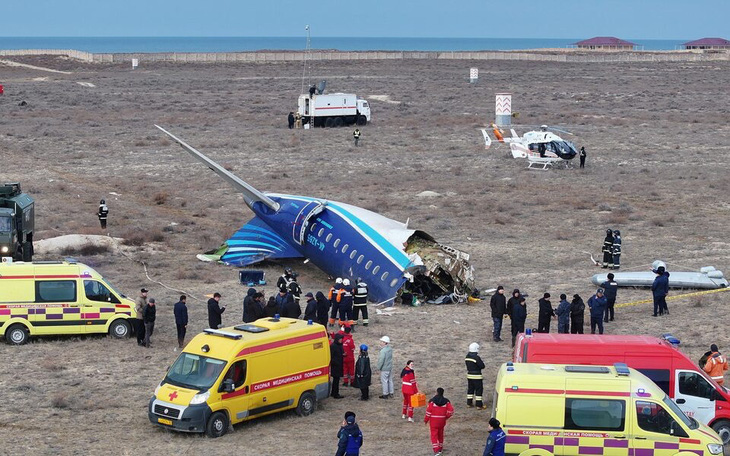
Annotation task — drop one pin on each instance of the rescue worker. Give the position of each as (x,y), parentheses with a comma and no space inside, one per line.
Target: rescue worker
(348,359)
(385,366)
(298,120)
(496,440)
(285,279)
(336,355)
(519,315)
(290,119)
(498,305)
(474,377)
(597,304)
(344,302)
(149,314)
(215,311)
(409,387)
(310,312)
(660,290)
(545,313)
(563,313)
(181,320)
(610,287)
(356,136)
(139,306)
(582,157)
(323,307)
(363,373)
(102,213)
(577,315)
(616,250)
(716,365)
(438,411)
(334,304)
(360,302)
(608,250)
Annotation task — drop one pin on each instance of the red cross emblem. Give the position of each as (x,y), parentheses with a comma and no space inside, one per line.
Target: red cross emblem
(173,395)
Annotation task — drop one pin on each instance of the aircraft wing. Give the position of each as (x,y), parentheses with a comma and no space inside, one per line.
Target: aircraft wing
(255,242)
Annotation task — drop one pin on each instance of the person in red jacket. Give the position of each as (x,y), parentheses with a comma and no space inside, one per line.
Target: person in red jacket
(348,345)
(438,411)
(408,388)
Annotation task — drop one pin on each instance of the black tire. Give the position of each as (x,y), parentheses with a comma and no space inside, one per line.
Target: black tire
(329,123)
(362,120)
(17,334)
(27,251)
(307,404)
(120,329)
(722,427)
(339,121)
(217,425)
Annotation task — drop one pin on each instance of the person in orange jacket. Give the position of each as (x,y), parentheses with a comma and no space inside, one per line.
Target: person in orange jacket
(409,387)
(438,411)
(348,345)
(716,365)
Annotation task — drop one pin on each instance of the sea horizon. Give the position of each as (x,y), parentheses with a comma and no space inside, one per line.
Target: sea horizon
(143,44)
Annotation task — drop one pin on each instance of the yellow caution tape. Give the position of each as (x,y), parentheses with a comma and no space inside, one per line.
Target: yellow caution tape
(669,298)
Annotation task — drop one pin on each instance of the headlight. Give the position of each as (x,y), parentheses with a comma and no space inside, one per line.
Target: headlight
(202,397)
(715,448)
(157,389)
(4,249)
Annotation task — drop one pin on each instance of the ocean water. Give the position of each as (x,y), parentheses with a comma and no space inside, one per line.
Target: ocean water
(234,44)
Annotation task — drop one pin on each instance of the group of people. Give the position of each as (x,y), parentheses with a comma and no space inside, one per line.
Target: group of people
(612,249)
(144,324)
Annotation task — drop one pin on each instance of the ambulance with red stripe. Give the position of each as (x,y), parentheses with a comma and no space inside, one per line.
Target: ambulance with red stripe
(45,298)
(225,376)
(552,409)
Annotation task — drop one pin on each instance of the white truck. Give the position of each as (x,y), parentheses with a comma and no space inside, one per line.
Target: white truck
(333,110)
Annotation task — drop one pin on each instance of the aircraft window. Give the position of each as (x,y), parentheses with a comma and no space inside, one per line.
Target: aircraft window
(368,264)
(327,239)
(376,269)
(352,255)
(384,276)
(360,258)
(321,232)
(337,242)
(393,282)
(311,228)
(345,247)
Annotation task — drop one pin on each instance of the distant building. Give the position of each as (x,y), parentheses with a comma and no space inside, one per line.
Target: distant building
(606,43)
(708,43)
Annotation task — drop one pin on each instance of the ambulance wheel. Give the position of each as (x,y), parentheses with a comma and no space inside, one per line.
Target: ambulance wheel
(339,122)
(217,425)
(307,404)
(16,335)
(329,123)
(722,428)
(120,329)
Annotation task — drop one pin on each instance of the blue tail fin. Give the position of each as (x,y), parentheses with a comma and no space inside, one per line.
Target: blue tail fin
(255,242)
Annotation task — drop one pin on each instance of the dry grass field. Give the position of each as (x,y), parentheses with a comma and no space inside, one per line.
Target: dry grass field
(656,134)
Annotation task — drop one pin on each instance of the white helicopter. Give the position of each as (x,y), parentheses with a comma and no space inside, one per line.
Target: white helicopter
(542,148)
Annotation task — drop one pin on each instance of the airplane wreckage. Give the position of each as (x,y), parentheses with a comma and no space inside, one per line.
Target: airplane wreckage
(344,241)
(707,278)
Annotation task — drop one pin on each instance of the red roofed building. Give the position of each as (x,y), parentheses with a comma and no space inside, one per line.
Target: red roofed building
(708,43)
(606,43)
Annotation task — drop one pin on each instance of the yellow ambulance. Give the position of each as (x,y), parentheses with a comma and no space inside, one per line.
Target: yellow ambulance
(59,297)
(234,374)
(550,409)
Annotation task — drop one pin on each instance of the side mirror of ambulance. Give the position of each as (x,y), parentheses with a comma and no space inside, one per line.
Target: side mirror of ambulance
(228,385)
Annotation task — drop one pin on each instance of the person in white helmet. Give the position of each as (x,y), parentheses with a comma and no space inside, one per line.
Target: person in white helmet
(385,366)
(474,377)
(344,301)
(334,305)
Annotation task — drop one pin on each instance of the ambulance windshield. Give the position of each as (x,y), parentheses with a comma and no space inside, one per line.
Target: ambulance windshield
(195,372)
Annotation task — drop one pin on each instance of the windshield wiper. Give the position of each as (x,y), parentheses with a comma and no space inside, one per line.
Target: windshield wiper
(182,384)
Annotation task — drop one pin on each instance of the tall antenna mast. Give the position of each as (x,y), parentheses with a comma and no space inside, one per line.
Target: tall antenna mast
(307,68)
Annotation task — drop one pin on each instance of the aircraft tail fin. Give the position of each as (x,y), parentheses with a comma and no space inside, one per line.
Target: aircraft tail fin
(249,192)
(255,242)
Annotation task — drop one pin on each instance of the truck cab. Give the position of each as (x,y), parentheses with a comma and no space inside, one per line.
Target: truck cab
(17,217)
(363,108)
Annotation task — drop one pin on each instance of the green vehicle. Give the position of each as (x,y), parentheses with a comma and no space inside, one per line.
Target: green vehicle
(17,219)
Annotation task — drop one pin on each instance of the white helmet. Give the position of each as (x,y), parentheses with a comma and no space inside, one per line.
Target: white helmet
(346,282)
(474,347)
(385,339)
(339,280)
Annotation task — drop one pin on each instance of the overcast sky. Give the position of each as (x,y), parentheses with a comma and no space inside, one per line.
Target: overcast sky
(647,19)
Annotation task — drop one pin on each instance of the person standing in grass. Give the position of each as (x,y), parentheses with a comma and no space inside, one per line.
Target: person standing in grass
(148,315)
(363,373)
(181,320)
(439,410)
(385,366)
(409,387)
(139,306)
